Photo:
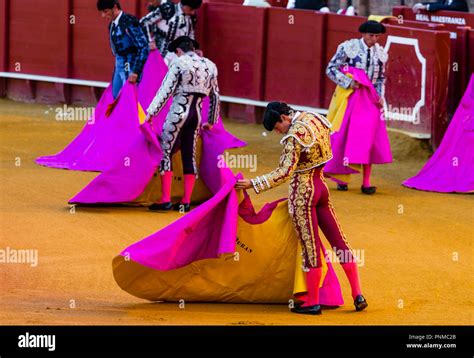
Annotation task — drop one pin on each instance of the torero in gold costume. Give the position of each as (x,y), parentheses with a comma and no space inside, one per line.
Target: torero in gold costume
(306,148)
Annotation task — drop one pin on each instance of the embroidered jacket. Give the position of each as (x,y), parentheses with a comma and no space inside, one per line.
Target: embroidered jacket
(355,53)
(189,73)
(128,40)
(306,146)
(166,23)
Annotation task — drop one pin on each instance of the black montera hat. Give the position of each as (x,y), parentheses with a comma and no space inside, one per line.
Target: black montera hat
(372,27)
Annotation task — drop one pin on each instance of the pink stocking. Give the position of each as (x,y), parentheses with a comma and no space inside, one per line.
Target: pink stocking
(352,273)
(166,179)
(366,169)
(313,280)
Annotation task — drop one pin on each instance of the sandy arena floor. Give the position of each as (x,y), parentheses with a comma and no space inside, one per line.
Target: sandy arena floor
(417,263)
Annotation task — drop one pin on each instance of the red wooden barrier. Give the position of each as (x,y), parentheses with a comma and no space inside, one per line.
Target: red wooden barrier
(294,56)
(417,77)
(235,42)
(414,24)
(92,57)
(200,28)
(42,51)
(4,29)
(458,76)
(455,22)
(235,2)
(470,52)
(451,19)
(278,3)
(260,53)
(34,49)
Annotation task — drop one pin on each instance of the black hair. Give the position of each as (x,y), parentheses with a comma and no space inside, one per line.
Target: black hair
(186,45)
(273,112)
(107,4)
(194,4)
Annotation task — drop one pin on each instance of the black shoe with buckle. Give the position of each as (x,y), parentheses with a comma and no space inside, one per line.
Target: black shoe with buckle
(368,189)
(360,303)
(161,207)
(342,187)
(314,310)
(182,207)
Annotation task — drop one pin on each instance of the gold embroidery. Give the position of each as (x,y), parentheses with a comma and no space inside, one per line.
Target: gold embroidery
(306,146)
(299,202)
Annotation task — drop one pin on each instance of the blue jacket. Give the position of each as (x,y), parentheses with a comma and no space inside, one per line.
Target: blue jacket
(128,40)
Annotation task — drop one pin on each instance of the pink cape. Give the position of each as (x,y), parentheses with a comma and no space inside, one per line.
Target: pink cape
(207,232)
(123,183)
(451,168)
(104,139)
(362,138)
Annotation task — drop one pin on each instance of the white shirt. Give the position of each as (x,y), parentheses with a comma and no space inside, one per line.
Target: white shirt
(117,19)
(372,49)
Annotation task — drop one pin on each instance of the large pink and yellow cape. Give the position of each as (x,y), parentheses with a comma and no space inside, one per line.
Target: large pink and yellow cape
(221,251)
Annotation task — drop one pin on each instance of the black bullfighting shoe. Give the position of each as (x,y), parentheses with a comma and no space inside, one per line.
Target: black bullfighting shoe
(182,207)
(368,189)
(342,187)
(360,303)
(314,310)
(161,207)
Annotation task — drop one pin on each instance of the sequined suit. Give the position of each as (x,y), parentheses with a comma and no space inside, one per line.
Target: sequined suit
(355,53)
(166,23)
(306,148)
(190,78)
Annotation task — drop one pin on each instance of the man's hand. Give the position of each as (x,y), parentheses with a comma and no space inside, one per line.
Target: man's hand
(152,45)
(418,7)
(133,78)
(243,184)
(355,84)
(381,102)
(207,126)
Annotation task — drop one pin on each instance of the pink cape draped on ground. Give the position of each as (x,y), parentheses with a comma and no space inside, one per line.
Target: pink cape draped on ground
(103,139)
(451,168)
(191,258)
(362,138)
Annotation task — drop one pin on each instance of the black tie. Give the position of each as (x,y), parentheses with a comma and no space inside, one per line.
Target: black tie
(368,59)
